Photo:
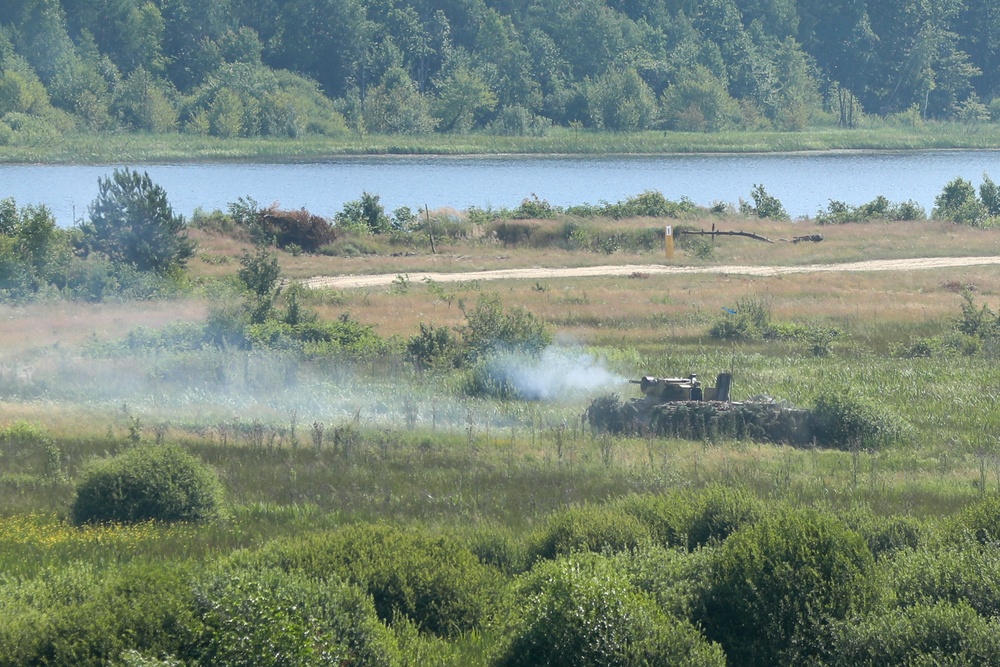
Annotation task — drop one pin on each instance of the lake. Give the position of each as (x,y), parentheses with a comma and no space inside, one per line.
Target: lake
(804,182)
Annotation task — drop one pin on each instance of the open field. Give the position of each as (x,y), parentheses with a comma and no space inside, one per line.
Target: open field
(325,456)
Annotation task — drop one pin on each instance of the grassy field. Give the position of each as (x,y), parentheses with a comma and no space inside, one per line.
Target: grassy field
(309,447)
(131,148)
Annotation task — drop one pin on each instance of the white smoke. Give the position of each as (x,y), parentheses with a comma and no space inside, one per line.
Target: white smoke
(558,373)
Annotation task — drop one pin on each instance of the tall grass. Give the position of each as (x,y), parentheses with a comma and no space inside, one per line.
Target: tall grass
(88,148)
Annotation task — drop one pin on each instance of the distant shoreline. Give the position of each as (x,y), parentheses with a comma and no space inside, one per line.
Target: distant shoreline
(561,142)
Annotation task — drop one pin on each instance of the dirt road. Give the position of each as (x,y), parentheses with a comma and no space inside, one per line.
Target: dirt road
(918,264)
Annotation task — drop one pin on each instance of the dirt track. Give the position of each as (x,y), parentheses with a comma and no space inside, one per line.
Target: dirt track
(918,264)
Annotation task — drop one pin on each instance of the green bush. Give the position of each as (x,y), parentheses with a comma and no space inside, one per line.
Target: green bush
(981,521)
(673,577)
(842,420)
(764,205)
(147,484)
(887,535)
(76,615)
(718,512)
(879,208)
(751,320)
(775,587)
(433,347)
(649,204)
(582,612)
(924,635)
(497,546)
(490,327)
(601,529)
(959,203)
(271,617)
(692,520)
(667,517)
(436,582)
(953,572)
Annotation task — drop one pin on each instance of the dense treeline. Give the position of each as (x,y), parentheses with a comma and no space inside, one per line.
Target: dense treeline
(295,67)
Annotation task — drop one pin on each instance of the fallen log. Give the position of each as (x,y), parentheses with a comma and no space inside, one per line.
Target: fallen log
(714,233)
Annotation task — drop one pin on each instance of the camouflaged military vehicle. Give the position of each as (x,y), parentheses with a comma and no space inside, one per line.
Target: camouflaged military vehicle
(681,407)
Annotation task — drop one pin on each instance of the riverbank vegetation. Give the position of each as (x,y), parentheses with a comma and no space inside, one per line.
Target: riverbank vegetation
(232,469)
(167,79)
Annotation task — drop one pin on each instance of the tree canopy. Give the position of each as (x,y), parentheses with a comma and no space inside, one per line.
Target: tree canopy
(294,67)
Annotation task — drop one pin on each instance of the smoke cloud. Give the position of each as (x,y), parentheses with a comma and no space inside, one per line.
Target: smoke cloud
(556,374)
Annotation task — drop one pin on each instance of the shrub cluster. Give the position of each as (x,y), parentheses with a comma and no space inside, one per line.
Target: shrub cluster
(960,203)
(292,229)
(161,483)
(975,331)
(710,577)
(880,208)
(434,581)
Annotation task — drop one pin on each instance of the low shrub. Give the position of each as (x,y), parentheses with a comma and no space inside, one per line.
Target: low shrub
(299,228)
(648,204)
(718,512)
(667,517)
(582,612)
(432,348)
(749,320)
(842,420)
(927,634)
(271,617)
(673,577)
(161,483)
(764,205)
(490,327)
(887,535)
(596,528)
(74,615)
(436,582)
(980,521)
(693,520)
(879,208)
(775,587)
(952,572)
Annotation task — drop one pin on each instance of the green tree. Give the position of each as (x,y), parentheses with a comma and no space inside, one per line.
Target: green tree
(958,203)
(396,107)
(699,102)
(620,100)
(225,115)
(132,223)
(325,39)
(795,95)
(461,95)
(989,195)
(260,276)
(142,103)
(33,251)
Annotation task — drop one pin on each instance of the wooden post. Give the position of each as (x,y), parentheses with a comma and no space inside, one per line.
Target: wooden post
(668,242)
(430,228)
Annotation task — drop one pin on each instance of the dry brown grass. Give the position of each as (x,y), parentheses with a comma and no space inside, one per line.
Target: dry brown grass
(609,309)
(66,323)
(638,309)
(218,255)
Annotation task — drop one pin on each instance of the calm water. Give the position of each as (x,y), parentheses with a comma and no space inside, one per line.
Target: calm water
(803,183)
